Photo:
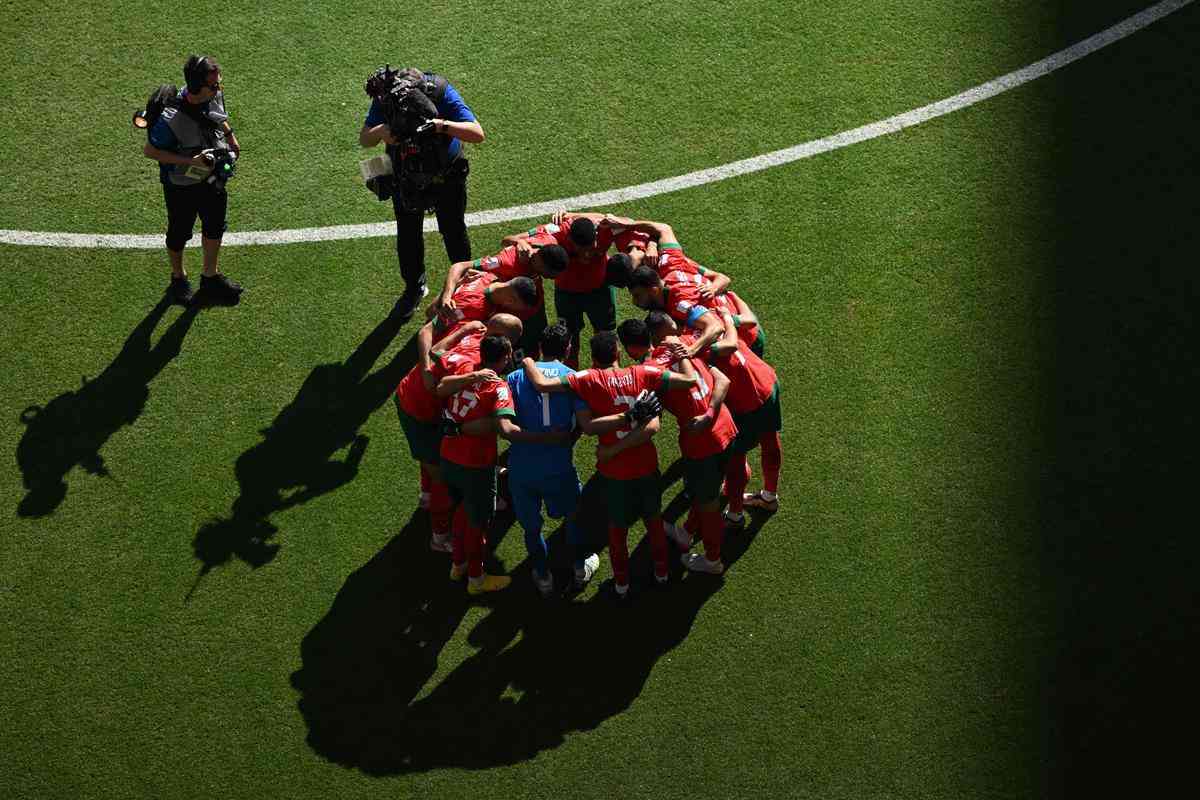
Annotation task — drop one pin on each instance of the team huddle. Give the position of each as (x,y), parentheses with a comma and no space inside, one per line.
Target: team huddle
(489,366)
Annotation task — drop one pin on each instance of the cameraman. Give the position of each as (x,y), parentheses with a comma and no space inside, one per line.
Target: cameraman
(183,141)
(453,124)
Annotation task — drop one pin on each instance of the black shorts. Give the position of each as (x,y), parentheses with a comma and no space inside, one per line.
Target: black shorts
(185,203)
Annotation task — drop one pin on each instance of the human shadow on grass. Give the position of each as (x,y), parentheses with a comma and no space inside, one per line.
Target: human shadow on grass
(297,459)
(543,669)
(72,428)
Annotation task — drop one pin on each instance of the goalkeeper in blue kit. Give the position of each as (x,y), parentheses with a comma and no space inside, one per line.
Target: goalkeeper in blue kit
(545,473)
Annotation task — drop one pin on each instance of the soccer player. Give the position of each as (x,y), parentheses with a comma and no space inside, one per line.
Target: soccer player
(626,459)
(674,267)
(482,294)
(706,431)
(420,411)
(538,473)
(581,289)
(478,408)
(635,247)
(754,400)
(535,257)
(681,300)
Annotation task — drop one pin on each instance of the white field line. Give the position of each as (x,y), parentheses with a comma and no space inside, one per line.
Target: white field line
(643,190)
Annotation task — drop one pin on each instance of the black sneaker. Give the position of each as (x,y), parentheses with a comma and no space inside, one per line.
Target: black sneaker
(220,289)
(179,291)
(409,301)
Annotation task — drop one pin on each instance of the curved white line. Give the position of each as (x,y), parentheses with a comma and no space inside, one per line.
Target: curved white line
(643,190)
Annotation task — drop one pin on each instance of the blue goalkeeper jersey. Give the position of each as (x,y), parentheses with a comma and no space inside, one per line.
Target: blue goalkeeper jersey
(541,412)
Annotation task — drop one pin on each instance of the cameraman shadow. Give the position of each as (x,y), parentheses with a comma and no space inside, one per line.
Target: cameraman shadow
(296,460)
(544,668)
(72,428)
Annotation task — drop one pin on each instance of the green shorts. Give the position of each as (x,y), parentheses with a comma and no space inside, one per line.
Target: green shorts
(702,477)
(760,343)
(600,305)
(631,500)
(424,438)
(475,488)
(768,418)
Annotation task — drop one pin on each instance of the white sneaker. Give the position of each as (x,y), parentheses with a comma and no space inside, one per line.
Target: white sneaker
(590,565)
(544,585)
(679,535)
(696,562)
(442,544)
(735,520)
(423,500)
(622,590)
(661,580)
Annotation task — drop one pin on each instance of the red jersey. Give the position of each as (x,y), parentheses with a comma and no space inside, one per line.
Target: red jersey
(582,274)
(471,300)
(629,239)
(681,298)
(419,402)
(416,400)
(462,358)
(660,356)
(478,401)
(672,259)
(751,380)
(509,263)
(725,301)
(693,401)
(613,391)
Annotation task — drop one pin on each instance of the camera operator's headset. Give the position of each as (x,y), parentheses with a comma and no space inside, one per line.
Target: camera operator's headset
(195,72)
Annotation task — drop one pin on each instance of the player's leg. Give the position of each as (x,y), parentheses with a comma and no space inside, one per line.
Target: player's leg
(569,306)
(455,487)
(531,334)
(480,502)
(649,498)
(735,487)
(440,508)
(623,511)
(601,308)
(563,493)
(769,423)
(527,505)
(424,445)
(702,478)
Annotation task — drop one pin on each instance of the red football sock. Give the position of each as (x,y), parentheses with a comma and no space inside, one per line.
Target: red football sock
(426,481)
(772,460)
(618,553)
(440,507)
(476,541)
(735,482)
(658,545)
(692,524)
(713,530)
(460,534)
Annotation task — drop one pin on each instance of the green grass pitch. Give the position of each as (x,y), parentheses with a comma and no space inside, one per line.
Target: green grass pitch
(981,578)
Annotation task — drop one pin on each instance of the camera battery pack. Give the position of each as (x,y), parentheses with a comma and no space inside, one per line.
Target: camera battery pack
(375,167)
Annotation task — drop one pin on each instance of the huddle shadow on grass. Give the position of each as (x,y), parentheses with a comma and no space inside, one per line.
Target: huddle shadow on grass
(72,428)
(543,669)
(295,462)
